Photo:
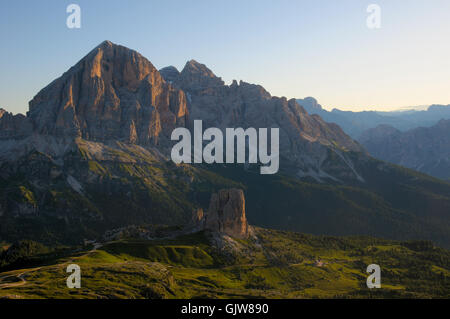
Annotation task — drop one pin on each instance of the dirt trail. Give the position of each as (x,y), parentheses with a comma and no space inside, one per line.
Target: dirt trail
(13,284)
(21,276)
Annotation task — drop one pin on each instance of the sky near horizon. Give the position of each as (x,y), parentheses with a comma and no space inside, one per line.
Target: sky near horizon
(293,48)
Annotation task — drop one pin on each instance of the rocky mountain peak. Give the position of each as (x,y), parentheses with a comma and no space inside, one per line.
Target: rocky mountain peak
(305,141)
(310,104)
(195,67)
(170,73)
(112,93)
(116,94)
(106,43)
(196,76)
(116,64)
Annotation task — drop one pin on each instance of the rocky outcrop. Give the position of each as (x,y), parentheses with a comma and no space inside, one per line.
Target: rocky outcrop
(226,214)
(14,126)
(170,73)
(113,93)
(197,222)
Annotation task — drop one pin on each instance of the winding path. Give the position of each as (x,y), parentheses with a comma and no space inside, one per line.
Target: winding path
(21,276)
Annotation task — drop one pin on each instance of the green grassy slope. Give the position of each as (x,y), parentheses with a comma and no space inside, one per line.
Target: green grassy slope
(275,265)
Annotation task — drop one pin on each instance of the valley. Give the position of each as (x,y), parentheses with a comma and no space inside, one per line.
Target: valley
(87,177)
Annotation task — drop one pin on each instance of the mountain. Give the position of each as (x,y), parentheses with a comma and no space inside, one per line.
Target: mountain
(425,149)
(355,123)
(93,154)
(307,143)
(113,93)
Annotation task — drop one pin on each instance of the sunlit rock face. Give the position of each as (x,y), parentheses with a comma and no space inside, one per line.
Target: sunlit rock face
(112,93)
(226,214)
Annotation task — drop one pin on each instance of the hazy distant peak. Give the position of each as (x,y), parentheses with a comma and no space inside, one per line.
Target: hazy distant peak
(436,107)
(426,149)
(380,131)
(310,104)
(313,102)
(444,122)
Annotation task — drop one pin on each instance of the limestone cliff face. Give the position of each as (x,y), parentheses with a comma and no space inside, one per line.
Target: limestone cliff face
(308,145)
(115,94)
(226,214)
(112,93)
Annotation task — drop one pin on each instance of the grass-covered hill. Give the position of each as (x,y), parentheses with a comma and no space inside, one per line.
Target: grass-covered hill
(273,264)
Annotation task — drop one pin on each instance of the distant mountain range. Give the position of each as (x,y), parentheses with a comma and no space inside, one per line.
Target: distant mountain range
(416,139)
(355,123)
(425,149)
(93,154)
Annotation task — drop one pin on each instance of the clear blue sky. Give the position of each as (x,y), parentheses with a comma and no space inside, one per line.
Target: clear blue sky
(293,48)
